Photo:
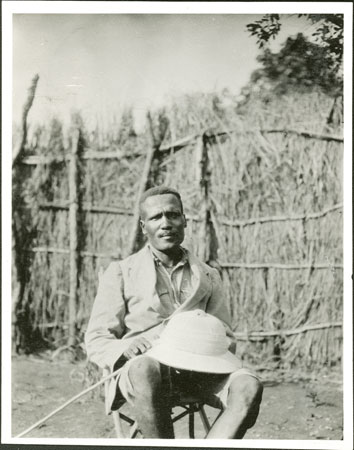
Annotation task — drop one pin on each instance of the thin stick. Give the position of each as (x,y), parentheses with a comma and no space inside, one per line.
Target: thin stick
(306,134)
(143,185)
(307,216)
(224,265)
(35,160)
(178,145)
(110,155)
(183,142)
(257,335)
(89,208)
(215,223)
(303,133)
(60,408)
(73,225)
(231,223)
(203,180)
(100,209)
(27,106)
(66,251)
(229,265)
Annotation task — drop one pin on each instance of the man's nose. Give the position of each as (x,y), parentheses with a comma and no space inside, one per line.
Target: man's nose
(165,221)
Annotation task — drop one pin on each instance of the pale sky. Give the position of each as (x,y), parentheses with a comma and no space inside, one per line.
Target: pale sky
(100,62)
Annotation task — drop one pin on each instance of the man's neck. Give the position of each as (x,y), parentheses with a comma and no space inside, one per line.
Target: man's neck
(170,258)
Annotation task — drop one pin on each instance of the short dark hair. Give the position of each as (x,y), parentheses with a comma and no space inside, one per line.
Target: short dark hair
(158,190)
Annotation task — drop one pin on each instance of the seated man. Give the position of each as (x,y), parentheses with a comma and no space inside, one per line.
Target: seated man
(135,300)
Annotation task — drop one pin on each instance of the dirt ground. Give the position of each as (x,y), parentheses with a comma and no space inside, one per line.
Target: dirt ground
(304,409)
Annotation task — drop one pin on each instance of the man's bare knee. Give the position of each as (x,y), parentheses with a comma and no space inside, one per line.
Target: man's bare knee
(245,393)
(144,374)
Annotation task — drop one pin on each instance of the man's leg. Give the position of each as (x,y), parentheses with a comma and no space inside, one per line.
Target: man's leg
(244,398)
(149,399)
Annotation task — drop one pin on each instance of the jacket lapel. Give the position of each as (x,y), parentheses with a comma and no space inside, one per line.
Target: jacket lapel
(143,273)
(201,279)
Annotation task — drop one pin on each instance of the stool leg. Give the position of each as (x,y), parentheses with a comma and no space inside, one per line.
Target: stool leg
(134,431)
(191,421)
(118,425)
(204,418)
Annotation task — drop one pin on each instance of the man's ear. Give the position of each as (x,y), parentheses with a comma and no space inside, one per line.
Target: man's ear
(185,221)
(142,226)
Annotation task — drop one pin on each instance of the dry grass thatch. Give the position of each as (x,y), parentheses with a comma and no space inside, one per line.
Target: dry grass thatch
(275,202)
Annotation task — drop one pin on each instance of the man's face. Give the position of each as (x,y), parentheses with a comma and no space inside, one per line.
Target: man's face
(162,222)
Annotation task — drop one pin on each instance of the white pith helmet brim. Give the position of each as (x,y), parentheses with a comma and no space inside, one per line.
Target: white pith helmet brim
(179,359)
(195,340)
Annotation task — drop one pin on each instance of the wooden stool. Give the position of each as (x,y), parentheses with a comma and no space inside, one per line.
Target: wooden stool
(189,409)
(190,406)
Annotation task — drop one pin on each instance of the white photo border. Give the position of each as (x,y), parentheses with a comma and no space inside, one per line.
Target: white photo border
(86,7)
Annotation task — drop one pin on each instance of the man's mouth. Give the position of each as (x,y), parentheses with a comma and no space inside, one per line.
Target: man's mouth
(167,235)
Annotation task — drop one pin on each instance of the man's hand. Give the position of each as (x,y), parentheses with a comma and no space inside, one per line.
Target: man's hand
(139,346)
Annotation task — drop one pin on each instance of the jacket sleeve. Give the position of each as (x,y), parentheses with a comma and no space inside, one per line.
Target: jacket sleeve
(218,307)
(106,327)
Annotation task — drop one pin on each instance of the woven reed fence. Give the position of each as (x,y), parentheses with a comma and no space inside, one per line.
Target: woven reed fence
(263,204)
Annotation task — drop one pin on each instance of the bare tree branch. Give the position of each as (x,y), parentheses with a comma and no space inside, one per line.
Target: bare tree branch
(27,106)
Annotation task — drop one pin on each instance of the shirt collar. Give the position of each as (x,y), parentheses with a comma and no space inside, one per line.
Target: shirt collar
(158,262)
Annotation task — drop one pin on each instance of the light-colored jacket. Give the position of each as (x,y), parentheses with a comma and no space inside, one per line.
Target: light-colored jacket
(127,305)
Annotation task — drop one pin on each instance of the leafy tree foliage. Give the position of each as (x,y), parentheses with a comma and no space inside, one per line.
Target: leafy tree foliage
(301,64)
(265,29)
(328,31)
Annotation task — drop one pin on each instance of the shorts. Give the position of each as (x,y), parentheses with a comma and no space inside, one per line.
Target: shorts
(179,385)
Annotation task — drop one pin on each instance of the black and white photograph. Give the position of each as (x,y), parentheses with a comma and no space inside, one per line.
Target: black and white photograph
(177,224)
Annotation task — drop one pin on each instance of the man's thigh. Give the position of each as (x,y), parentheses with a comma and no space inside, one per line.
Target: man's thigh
(181,385)
(123,388)
(176,385)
